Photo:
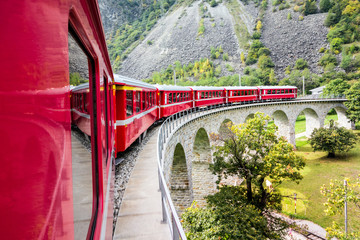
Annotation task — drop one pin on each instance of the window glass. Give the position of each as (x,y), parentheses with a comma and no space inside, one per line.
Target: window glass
(206,94)
(174,97)
(178,97)
(129,103)
(143,100)
(170,97)
(202,94)
(137,101)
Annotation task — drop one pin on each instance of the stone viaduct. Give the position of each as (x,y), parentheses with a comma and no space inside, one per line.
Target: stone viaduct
(186,156)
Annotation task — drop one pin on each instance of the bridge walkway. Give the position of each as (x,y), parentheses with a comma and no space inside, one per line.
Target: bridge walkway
(140,212)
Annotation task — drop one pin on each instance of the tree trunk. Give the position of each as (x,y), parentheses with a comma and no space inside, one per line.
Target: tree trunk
(331,155)
(263,194)
(249,191)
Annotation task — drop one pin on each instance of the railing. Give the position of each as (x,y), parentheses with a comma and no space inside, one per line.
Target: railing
(322,96)
(167,129)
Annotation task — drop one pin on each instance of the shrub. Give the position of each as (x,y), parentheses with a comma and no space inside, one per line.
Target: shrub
(321,50)
(256,35)
(229,68)
(325,5)
(213,3)
(276,2)
(281,7)
(310,7)
(149,42)
(258,25)
(300,64)
(242,57)
(301,18)
(326,59)
(225,57)
(289,17)
(335,45)
(296,8)
(264,51)
(265,62)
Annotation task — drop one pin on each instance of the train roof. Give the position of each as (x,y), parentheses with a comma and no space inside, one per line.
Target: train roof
(82,86)
(276,87)
(240,88)
(172,88)
(119,79)
(200,88)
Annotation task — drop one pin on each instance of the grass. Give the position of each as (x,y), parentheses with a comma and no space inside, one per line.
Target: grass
(300,124)
(318,171)
(241,30)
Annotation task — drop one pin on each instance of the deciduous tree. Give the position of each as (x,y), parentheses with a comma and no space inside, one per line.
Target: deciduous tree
(332,139)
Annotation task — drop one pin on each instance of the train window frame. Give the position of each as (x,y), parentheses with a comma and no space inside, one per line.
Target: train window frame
(174,97)
(137,101)
(170,98)
(143,97)
(129,107)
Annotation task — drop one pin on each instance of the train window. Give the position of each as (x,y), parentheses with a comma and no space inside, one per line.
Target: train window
(178,97)
(174,97)
(82,67)
(170,97)
(137,101)
(129,103)
(202,95)
(206,94)
(143,100)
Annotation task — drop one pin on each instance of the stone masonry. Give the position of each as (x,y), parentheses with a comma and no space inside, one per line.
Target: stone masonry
(200,181)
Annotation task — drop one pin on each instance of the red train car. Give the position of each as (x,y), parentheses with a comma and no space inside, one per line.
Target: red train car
(207,96)
(40,193)
(80,103)
(273,93)
(173,99)
(242,94)
(136,110)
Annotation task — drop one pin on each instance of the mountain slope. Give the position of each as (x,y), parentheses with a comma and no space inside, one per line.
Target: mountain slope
(176,38)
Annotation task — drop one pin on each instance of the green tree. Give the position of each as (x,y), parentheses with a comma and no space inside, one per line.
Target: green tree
(310,7)
(265,62)
(336,87)
(332,139)
(229,216)
(335,45)
(254,151)
(325,5)
(353,103)
(335,194)
(301,64)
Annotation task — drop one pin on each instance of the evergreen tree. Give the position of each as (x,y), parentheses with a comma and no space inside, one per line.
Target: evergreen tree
(325,5)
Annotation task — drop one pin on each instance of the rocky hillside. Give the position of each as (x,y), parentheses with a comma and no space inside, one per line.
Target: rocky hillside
(175,37)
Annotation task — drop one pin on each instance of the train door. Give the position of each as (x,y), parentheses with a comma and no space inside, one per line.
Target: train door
(84,154)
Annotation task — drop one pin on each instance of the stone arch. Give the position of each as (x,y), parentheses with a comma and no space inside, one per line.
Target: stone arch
(223,128)
(342,121)
(179,181)
(281,120)
(312,121)
(251,115)
(203,182)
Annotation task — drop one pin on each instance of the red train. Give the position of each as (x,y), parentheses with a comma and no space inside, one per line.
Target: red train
(137,105)
(42,191)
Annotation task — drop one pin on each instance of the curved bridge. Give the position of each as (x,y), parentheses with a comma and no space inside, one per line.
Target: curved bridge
(184,145)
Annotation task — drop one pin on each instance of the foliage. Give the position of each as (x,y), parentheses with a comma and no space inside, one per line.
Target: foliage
(335,44)
(335,194)
(253,151)
(76,79)
(229,68)
(310,7)
(296,79)
(264,51)
(350,63)
(213,3)
(225,57)
(325,5)
(289,17)
(242,57)
(265,62)
(229,216)
(353,103)
(326,59)
(121,40)
(332,139)
(301,17)
(301,64)
(256,35)
(258,26)
(336,87)
(201,29)
(253,54)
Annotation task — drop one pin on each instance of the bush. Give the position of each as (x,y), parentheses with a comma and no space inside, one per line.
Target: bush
(149,42)
(335,45)
(301,18)
(265,62)
(229,68)
(213,3)
(325,5)
(256,35)
(264,51)
(321,50)
(301,64)
(326,59)
(310,7)
(289,17)
(225,57)
(296,8)
(281,7)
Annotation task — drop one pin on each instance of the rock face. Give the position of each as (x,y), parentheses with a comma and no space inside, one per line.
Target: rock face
(289,40)
(175,38)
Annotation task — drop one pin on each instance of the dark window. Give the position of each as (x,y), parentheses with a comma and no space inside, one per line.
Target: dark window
(143,100)
(170,97)
(129,103)
(137,101)
(174,97)
(206,94)
(202,95)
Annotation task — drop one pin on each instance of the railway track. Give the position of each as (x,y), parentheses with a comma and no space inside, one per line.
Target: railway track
(307,234)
